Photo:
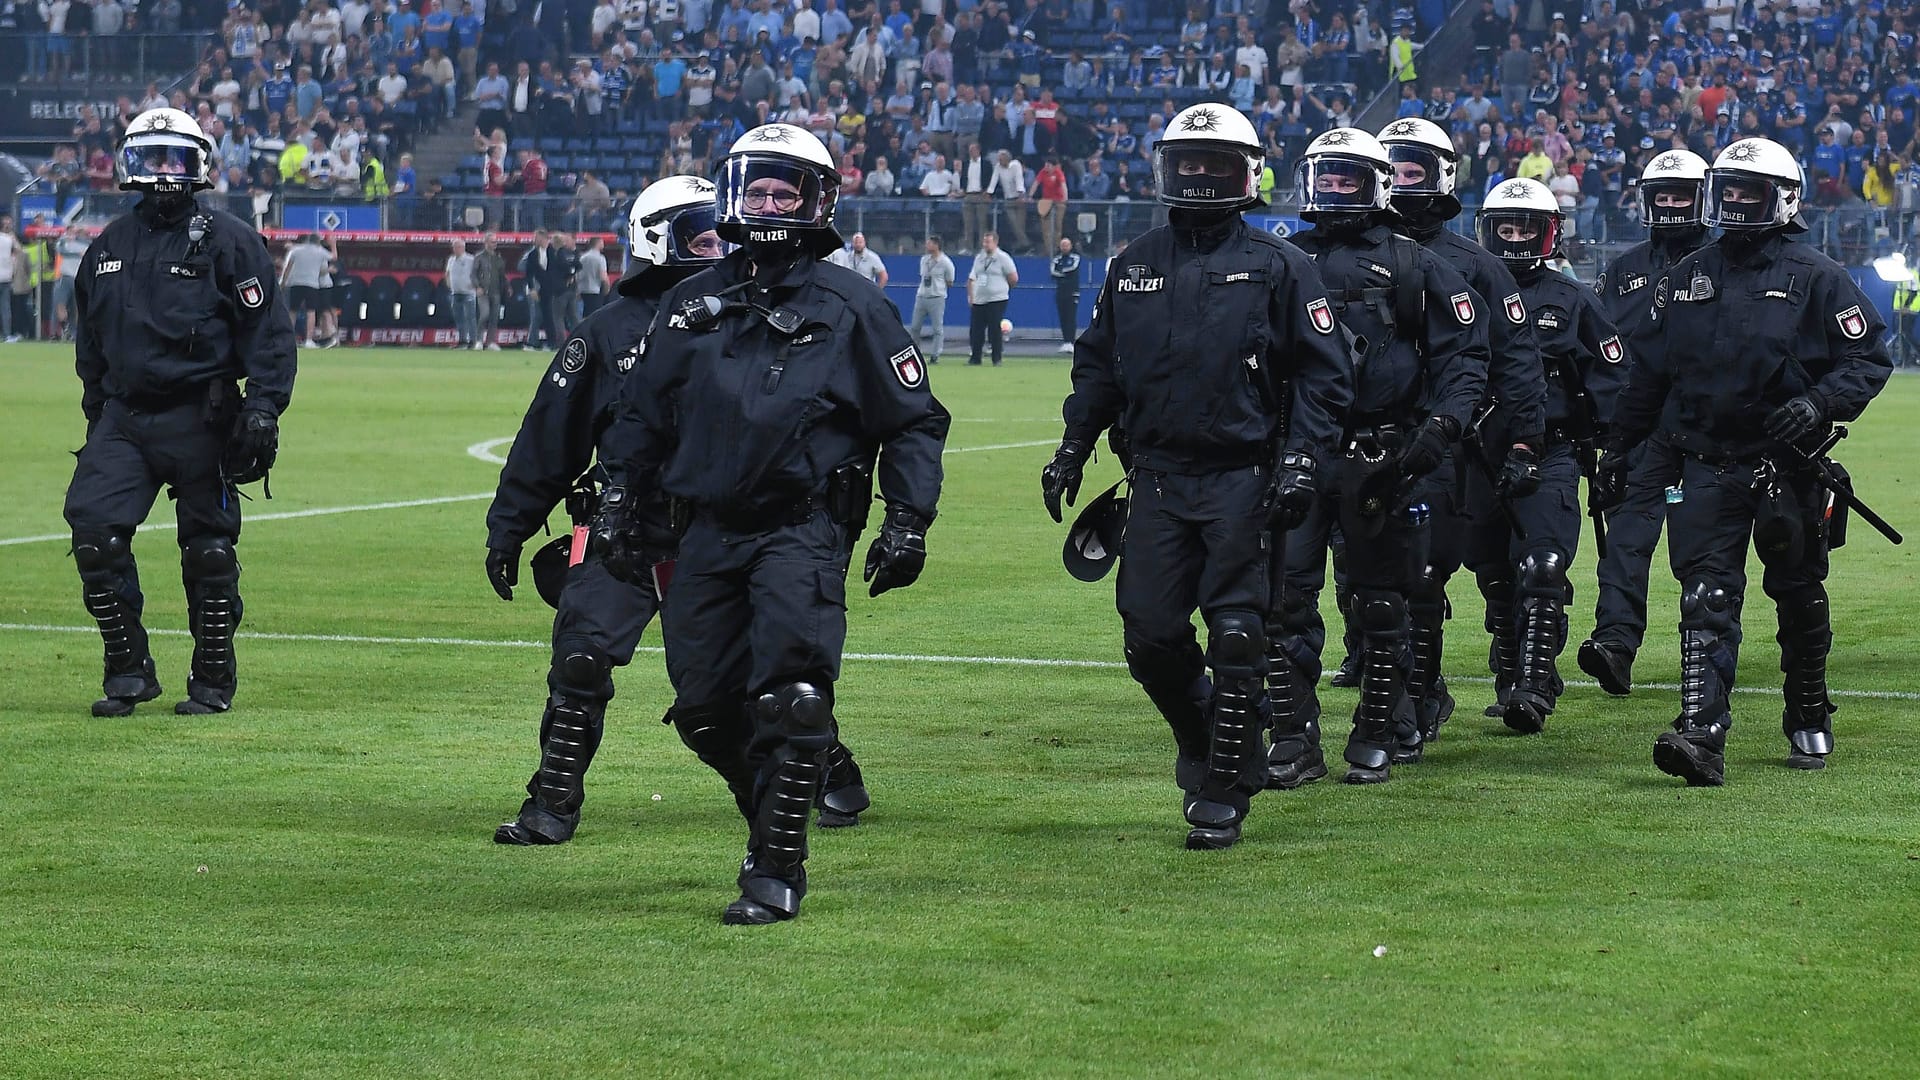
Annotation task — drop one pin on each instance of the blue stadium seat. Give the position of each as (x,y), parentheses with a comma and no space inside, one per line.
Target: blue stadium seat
(578,146)
(547,144)
(559,161)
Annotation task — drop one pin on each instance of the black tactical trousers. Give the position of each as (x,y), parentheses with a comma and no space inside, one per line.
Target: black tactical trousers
(600,615)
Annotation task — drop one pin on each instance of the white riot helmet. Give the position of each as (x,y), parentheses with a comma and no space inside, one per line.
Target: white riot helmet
(1344,171)
(1424,160)
(1209,159)
(1529,217)
(777,178)
(1754,184)
(1677,174)
(671,224)
(165,150)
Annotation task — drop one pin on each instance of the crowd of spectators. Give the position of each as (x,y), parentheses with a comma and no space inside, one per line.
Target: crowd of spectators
(1581,96)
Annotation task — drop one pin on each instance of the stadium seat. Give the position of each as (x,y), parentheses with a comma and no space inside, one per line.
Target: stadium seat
(547,144)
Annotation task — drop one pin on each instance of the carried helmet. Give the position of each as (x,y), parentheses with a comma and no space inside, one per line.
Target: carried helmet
(1533,216)
(776,177)
(1344,171)
(165,150)
(672,223)
(1676,172)
(1423,158)
(1209,158)
(1754,184)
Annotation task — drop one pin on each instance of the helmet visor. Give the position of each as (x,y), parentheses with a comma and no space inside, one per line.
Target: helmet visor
(1417,170)
(1205,177)
(1671,202)
(1519,235)
(161,163)
(1740,200)
(761,189)
(1337,183)
(691,237)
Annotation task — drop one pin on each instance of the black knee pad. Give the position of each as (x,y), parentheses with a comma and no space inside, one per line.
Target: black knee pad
(210,559)
(1153,664)
(581,668)
(1381,613)
(1706,606)
(1543,573)
(101,555)
(801,712)
(1237,644)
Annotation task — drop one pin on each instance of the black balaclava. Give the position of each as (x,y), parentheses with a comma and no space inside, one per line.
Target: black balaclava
(164,207)
(1426,216)
(1203,229)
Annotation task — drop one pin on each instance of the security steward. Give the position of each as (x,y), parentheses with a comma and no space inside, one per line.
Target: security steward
(671,237)
(1213,347)
(1586,364)
(1464,495)
(1797,346)
(176,302)
(769,385)
(1672,189)
(1419,342)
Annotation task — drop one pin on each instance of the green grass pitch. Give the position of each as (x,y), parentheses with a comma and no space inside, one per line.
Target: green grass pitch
(305,887)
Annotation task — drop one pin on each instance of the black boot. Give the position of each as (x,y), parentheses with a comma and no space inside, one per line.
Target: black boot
(1610,663)
(1695,750)
(1236,769)
(1293,758)
(844,796)
(773,880)
(1503,652)
(122,691)
(212,576)
(1383,709)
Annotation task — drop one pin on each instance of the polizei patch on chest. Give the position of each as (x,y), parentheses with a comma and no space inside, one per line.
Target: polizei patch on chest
(1137,281)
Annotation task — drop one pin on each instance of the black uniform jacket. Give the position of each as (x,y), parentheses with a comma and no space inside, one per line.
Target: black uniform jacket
(1438,370)
(1514,374)
(1738,339)
(1580,348)
(572,412)
(1197,342)
(157,323)
(740,418)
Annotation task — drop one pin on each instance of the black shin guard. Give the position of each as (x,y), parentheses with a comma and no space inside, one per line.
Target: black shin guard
(1383,715)
(1432,703)
(718,734)
(1536,685)
(569,736)
(1235,770)
(111,591)
(211,573)
(1294,756)
(1695,749)
(798,720)
(1806,638)
(844,796)
(1503,649)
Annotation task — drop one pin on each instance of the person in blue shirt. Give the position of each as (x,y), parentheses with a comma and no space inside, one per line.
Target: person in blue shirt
(307,94)
(763,19)
(467,27)
(1829,157)
(834,23)
(802,60)
(278,90)
(1826,27)
(1858,155)
(614,81)
(898,21)
(404,20)
(734,20)
(436,30)
(668,75)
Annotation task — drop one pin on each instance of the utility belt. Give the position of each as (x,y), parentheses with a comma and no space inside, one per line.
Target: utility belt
(1374,440)
(216,398)
(846,498)
(1560,433)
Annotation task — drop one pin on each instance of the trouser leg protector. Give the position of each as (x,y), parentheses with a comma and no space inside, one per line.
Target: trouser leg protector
(570,731)
(844,796)
(110,588)
(1542,633)
(1383,711)
(1503,650)
(1427,612)
(1237,648)
(718,734)
(211,573)
(1347,675)
(1175,682)
(1695,749)
(1293,672)
(798,720)
(1806,637)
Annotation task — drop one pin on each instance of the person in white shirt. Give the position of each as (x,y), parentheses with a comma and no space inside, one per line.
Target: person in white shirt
(930,301)
(461,289)
(353,18)
(1253,56)
(989,285)
(1009,185)
(605,15)
(392,85)
(9,251)
(324,23)
(806,22)
(940,182)
(861,261)
(591,280)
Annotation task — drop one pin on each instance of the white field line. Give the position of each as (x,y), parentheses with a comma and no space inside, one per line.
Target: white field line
(897,658)
(481,450)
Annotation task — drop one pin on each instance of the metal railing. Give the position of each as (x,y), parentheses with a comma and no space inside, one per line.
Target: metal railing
(110,64)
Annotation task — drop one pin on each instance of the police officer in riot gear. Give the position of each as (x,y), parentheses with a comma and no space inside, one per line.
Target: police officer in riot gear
(770,383)
(671,236)
(175,303)
(1672,190)
(1214,349)
(1585,364)
(1796,347)
(1469,501)
(1419,341)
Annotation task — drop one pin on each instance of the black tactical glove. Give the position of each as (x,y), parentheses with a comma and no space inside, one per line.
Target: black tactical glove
(1061,477)
(252,447)
(1519,474)
(1797,418)
(1294,490)
(900,551)
(1608,487)
(615,537)
(503,570)
(1427,446)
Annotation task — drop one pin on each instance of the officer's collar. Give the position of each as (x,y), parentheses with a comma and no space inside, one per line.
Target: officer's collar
(737,267)
(646,281)
(1748,251)
(157,213)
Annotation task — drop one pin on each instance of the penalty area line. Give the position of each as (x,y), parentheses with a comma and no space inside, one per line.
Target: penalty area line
(898,658)
(285,515)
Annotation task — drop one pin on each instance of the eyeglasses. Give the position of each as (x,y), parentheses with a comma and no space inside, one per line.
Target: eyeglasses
(782,201)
